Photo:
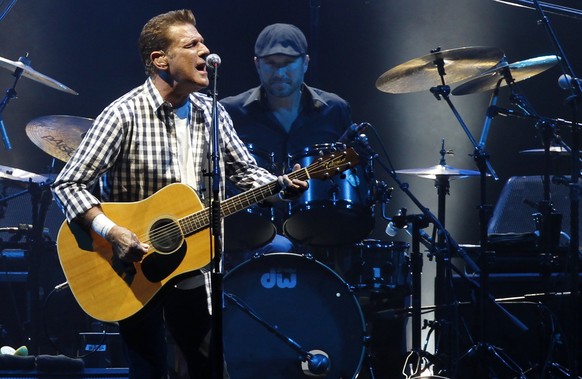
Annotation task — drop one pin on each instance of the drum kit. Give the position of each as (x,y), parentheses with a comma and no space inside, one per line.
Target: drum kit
(339,215)
(295,303)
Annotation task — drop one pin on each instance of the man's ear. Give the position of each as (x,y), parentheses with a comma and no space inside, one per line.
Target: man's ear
(257,64)
(159,59)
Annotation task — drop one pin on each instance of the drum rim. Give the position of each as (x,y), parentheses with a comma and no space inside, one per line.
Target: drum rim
(325,147)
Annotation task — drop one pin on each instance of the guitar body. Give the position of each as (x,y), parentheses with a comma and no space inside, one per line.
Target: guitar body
(175,225)
(110,290)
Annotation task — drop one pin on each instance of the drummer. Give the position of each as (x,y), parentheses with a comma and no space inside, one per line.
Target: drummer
(283,115)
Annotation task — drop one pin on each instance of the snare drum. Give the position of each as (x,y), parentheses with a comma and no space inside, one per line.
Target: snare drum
(254,226)
(332,212)
(302,300)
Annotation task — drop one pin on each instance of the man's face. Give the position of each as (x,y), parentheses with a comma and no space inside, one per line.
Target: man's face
(185,56)
(281,75)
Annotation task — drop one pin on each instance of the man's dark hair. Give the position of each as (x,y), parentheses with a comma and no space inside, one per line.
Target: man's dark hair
(154,34)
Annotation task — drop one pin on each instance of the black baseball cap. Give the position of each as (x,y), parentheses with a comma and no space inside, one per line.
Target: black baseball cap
(284,39)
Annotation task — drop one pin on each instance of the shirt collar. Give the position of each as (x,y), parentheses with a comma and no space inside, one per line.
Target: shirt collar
(316,100)
(158,102)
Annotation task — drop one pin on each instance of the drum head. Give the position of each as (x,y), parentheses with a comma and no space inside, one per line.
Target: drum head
(305,302)
(252,227)
(248,229)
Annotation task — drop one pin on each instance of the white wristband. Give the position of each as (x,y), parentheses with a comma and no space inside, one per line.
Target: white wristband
(101,224)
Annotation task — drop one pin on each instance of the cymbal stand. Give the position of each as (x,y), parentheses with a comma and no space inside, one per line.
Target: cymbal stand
(10,94)
(444,277)
(481,158)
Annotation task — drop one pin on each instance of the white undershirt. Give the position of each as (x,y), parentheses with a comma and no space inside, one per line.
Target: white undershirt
(186,164)
(185,159)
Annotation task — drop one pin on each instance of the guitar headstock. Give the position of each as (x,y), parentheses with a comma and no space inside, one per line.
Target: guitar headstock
(333,163)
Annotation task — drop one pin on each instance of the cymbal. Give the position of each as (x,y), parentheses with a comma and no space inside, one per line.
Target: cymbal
(18,175)
(421,74)
(520,71)
(554,150)
(439,170)
(31,73)
(58,136)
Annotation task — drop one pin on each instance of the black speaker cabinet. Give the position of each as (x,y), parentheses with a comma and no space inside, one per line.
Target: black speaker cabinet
(513,213)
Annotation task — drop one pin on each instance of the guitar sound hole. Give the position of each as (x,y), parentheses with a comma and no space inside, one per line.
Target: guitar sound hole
(165,236)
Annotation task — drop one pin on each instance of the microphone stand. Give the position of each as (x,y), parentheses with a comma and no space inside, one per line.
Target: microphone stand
(573,100)
(217,345)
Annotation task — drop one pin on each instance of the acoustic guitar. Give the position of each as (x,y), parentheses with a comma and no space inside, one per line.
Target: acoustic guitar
(175,224)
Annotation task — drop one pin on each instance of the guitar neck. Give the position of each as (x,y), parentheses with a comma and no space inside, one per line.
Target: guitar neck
(201,219)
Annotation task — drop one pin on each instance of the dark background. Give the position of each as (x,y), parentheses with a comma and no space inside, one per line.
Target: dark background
(92,48)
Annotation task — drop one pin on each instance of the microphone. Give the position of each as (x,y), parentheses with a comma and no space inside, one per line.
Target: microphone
(317,365)
(565,81)
(397,222)
(353,132)
(494,111)
(213,61)
(391,230)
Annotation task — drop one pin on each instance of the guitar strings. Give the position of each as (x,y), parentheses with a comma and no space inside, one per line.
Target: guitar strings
(200,219)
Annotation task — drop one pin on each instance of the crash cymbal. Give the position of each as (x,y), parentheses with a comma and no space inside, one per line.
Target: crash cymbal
(31,73)
(421,74)
(554,150)
(520,71)
(21,176)
(439,170)
(58,136)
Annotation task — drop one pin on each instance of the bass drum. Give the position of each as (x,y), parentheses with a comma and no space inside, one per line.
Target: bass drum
(254,226)
(306,302)
(332,212)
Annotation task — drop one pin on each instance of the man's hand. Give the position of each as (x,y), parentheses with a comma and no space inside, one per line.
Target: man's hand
(292,188)
(126,246)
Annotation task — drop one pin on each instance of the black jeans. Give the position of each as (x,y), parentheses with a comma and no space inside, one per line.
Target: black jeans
(185,315)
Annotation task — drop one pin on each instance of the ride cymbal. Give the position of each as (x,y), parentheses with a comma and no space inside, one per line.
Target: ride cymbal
(58,136)
(519,71)
(439,170)
(31,73)
(421,74)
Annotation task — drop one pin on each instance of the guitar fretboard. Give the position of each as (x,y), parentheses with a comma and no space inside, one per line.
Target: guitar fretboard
(321,168)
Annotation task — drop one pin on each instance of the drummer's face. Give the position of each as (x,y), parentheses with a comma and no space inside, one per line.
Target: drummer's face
(281,75)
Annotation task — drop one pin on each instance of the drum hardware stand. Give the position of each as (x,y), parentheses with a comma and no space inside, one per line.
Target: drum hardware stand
(481,158)
(444,276)
(573,100)
(547,220)
(41,196)
(11,94)
(428,217)
(314,362)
